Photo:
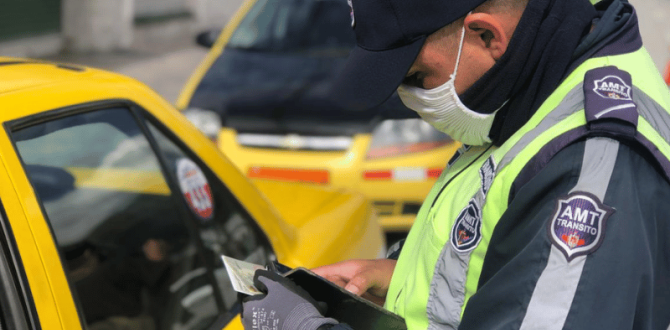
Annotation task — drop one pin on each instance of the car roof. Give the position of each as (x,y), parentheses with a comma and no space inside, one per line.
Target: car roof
(18,74)
(26,78)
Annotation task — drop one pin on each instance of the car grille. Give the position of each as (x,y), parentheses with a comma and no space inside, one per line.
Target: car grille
(385,207)
(410,208)
(295,142)
(392,208)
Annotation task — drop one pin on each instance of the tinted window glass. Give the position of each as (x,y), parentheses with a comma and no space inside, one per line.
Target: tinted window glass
(223,226)
(129,252)
(295,25)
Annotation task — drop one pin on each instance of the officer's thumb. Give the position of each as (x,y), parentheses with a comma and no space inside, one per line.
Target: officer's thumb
(357,286)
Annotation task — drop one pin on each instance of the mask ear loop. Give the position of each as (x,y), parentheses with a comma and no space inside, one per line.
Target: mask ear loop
(460,49)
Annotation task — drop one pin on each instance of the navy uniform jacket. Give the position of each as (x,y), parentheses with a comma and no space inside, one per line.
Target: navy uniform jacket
(624,284)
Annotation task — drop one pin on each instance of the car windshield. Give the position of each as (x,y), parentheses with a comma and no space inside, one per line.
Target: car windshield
(295,25)
(278,68)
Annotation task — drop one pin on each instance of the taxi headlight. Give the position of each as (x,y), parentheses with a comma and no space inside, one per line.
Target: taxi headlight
(208,122)
(395,137)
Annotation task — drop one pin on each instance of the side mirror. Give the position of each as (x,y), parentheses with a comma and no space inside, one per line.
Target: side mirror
(207,38)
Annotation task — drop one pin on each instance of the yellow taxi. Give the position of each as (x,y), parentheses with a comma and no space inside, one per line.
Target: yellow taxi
(262,94)
(115,209)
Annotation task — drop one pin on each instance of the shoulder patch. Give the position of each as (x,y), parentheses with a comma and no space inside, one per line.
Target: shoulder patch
(578,225)
(608,93)
(466,233)
(487,172)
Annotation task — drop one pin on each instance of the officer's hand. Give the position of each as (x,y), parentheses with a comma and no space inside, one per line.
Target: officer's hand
(367,278)
(283,306)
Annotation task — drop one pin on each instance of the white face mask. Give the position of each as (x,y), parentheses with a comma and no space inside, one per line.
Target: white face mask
(442,108)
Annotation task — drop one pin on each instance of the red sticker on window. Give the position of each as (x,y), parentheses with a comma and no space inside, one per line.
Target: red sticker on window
(196,190)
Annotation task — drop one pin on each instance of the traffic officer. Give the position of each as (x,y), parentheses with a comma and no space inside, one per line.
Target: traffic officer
(554,213)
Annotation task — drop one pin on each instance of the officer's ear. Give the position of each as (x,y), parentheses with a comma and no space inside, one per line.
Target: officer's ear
(487,31)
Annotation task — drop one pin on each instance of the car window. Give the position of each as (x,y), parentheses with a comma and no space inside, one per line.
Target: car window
(295,25)
(223,225)
(130,251)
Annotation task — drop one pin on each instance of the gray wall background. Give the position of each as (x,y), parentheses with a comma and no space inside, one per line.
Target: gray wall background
(98,26)
(109,25)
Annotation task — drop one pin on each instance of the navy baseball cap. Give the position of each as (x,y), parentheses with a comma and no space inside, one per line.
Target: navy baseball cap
(389,36)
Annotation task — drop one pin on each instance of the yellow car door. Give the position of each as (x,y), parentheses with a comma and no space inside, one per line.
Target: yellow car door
(115,209)
(39,295)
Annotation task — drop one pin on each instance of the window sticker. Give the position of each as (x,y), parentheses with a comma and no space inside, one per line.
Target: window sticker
(195,188)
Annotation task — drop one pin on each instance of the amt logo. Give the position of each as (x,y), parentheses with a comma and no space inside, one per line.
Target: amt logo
(612,87)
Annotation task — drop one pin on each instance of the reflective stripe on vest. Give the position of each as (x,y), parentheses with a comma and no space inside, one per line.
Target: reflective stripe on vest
(549,307)
(436,275)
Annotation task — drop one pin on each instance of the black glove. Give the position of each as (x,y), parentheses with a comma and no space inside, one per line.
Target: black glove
(284,306)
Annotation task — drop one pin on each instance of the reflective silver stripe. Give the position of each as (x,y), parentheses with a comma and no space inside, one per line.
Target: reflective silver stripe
(614,108)
(599,157)
(649,109)
(652,112)
(555,289)
(571,103)
(447,287)
(553,292)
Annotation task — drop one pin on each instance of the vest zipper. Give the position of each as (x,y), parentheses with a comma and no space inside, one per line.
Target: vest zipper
(456,175)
